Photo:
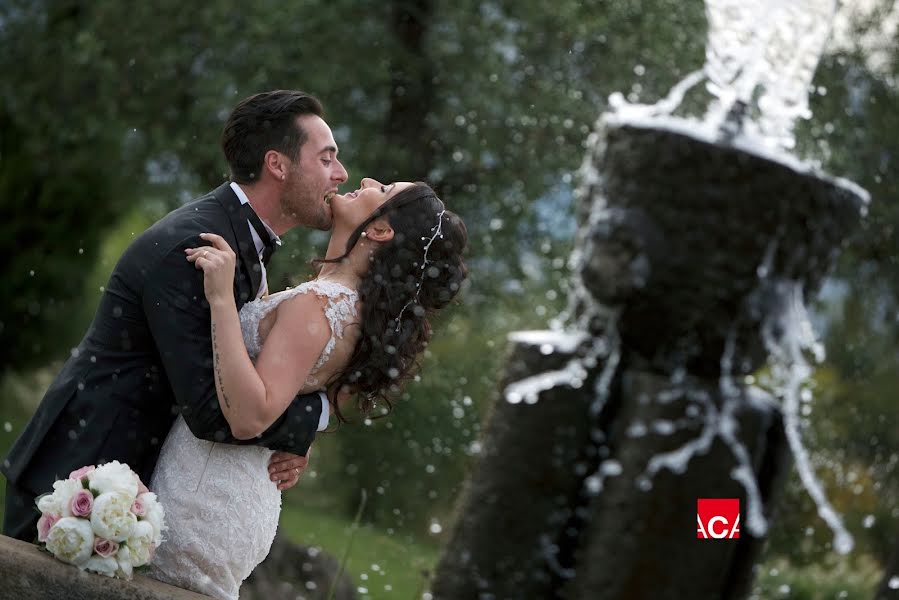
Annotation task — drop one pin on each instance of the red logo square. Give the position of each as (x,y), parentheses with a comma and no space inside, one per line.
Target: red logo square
(718,518)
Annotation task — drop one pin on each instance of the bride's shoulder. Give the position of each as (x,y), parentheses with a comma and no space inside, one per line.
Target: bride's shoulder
(298,308)
(337,303)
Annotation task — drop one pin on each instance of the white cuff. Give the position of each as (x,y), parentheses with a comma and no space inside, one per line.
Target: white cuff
(326,412)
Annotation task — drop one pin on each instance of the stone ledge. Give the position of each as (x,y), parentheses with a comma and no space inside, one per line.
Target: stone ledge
(28,573)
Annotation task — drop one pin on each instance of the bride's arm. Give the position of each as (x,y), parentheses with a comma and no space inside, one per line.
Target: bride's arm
(253,397)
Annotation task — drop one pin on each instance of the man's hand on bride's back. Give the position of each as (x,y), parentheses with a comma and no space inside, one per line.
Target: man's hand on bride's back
(217,263)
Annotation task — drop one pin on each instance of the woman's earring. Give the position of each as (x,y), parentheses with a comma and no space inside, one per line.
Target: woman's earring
(364,234)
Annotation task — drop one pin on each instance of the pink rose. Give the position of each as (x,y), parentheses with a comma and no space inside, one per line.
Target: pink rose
(79,473)
(138,508)
(105,548)
(44,525)
(81,503)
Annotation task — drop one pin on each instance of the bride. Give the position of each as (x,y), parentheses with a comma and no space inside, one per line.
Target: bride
(395,257)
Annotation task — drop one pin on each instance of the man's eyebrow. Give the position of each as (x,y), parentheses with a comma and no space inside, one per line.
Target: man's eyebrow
(328,149)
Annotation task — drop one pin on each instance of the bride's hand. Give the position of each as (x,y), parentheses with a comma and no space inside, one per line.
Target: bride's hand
(217,263)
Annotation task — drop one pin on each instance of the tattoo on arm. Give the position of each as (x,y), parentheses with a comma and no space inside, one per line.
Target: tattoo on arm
(218,369)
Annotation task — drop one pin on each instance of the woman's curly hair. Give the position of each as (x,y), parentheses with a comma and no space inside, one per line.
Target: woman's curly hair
(411,277)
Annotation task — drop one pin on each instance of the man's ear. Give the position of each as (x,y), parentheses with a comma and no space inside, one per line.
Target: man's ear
(379,230)
(274,163)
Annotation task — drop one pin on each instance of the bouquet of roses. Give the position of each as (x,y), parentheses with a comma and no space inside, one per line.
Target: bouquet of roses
(101,519)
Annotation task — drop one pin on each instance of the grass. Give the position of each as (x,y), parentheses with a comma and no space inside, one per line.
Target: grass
(385,565)
(853,577)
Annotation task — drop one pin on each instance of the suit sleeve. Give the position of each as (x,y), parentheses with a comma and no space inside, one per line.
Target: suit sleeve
(179,321)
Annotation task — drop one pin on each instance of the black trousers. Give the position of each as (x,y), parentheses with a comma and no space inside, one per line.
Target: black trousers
(20,514)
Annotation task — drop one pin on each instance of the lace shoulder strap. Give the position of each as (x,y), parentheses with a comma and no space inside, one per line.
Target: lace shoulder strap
(340,310)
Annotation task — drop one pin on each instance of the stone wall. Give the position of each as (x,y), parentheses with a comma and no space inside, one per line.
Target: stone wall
(28,573)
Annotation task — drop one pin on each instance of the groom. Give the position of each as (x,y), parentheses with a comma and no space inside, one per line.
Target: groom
(147,357)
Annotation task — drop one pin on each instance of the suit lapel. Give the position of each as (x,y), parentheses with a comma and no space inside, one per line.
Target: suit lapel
(246,249)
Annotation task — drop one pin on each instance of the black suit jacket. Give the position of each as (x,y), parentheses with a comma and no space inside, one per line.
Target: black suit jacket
(147,357)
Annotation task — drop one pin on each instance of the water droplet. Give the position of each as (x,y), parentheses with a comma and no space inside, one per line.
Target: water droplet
(843,543)
(610,468)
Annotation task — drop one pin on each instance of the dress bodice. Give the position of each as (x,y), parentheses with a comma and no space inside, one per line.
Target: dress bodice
(340,308)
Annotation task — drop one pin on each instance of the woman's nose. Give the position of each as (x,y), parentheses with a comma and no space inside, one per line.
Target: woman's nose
(368,182)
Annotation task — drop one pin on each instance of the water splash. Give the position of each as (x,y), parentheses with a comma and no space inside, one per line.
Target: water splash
(789,337)
(764,54)
(571,375)
(760,60)
(728,427)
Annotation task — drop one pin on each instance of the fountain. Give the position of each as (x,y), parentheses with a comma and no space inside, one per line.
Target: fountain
(699,243)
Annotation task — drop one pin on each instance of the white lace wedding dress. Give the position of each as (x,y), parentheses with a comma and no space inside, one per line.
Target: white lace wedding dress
(221,508)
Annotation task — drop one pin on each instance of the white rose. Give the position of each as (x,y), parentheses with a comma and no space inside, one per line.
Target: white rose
(123,558)
(49,504)
(111,516)
(71,540)
(104,566)
(141,543)
(113,477)
(57,503)
(155,515)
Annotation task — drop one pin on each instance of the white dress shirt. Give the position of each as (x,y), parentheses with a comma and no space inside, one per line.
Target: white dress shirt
(263,287)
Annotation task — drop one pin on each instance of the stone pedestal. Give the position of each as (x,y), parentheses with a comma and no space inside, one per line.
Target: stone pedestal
(672,445)
(508,539)
(27,573)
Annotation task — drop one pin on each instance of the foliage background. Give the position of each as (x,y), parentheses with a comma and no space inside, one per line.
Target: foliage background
(110,115)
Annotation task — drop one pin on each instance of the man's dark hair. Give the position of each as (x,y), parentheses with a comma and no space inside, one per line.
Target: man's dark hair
(263,122)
